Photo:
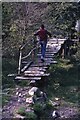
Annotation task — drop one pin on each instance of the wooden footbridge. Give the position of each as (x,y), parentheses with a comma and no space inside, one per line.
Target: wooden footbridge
(30,66)
(34,69)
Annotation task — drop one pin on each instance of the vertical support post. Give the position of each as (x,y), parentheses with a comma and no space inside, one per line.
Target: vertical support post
(33,55)
(62,53)
(34,45)
(19,68)
(65,49)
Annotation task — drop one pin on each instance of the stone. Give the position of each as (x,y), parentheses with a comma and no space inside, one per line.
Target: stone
(29,100)
(32,90)
(55,114)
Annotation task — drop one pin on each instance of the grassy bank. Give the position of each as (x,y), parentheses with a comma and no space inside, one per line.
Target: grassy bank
(64,81)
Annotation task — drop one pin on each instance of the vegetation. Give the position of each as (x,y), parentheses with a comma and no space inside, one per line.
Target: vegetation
(64,81)
(27,115)
(31,116)
(22,111)
(19,22)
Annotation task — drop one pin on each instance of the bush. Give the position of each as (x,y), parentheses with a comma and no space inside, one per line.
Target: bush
(22,111)
(31,116)
(49,106)
(73,59)
(73,50)
(38,108)
(27,115)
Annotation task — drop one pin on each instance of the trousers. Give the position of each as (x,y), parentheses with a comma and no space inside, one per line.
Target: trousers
(43,48)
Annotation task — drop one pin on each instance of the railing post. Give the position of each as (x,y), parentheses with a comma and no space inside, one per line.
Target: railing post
(19,68)
(34,45)
(33,55)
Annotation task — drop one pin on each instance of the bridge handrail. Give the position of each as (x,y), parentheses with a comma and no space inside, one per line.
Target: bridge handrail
(23,46)
(31,52)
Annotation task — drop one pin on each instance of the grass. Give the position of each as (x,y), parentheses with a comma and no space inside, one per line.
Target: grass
(27,115)
(63,82)
(5,99)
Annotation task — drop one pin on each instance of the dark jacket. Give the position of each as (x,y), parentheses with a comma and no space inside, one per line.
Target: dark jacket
(43,34)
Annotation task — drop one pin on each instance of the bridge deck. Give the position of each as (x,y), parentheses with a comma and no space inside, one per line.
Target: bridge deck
(37,69)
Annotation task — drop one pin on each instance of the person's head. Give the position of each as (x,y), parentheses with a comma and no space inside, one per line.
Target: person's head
(42,26)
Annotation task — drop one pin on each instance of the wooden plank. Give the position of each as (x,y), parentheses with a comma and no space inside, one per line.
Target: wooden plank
(52,48)
(40,65)
(37,69)
(24,62)
(46,53)
(55,39)
(49,61)
(27,78)
(45,61)
(33,66)
(34,72)
(48,50)
(12,75)
(47,56)
(27,66)
(37,75)
(54,62)
(54,44)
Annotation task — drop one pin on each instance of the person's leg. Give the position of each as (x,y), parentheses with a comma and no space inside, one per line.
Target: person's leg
(41,48)
(44,49)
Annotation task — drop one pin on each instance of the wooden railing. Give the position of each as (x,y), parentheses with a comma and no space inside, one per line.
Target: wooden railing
(29,57)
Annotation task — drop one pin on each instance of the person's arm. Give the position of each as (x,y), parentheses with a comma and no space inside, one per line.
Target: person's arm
(37,33)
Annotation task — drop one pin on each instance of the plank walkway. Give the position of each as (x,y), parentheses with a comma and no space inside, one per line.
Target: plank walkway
(37,70)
